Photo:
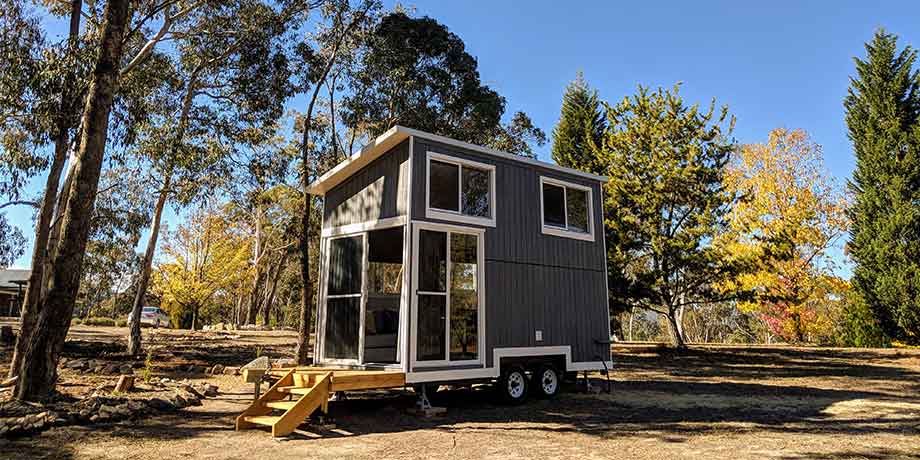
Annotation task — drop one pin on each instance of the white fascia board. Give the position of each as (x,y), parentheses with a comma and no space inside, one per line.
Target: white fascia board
(397,134)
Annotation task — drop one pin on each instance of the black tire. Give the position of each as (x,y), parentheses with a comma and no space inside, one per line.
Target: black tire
(512,385)
(546,381)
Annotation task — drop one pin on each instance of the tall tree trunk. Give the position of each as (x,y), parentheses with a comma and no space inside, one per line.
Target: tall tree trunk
(306,287)
(273,276)
(134,338)
(29,312)
(676,329)
(38,372)
(254,298)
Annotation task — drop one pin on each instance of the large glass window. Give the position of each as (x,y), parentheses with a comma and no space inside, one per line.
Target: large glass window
(566,209)
(448,297)
(460,190)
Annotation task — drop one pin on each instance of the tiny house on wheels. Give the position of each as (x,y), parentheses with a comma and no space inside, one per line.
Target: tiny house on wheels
(447,262)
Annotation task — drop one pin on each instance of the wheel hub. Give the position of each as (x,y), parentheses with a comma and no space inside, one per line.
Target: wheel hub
(549,381)
(516,385)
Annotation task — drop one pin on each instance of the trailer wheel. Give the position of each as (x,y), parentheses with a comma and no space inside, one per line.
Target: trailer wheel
(546,381)
(512,385)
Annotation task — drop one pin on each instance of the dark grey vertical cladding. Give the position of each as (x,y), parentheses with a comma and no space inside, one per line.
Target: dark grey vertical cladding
(377,191)
(533,281)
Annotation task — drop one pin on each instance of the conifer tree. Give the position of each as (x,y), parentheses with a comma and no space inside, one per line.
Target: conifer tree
(882,111)
(580,130)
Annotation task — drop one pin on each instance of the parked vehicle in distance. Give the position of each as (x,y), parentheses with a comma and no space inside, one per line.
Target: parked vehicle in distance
(153,316)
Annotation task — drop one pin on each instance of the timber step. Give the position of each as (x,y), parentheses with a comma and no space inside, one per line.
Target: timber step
(313,394)
(295,390)
(281,405)
(309,390)
(265,420)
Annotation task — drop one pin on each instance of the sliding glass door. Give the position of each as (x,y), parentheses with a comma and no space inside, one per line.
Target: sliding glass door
(364,278)
(448,298)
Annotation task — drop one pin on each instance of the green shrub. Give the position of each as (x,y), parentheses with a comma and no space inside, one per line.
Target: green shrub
(97,321)
(860,328)
(148,367)
(121,322)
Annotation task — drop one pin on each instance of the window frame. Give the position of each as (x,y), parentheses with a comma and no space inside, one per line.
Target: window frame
(458,216)
(567,232)
(415,363)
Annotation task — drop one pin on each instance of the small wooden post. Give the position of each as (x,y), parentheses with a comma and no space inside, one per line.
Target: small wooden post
(125,384)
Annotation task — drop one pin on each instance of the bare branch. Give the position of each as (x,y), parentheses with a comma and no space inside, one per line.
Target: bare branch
(33,204)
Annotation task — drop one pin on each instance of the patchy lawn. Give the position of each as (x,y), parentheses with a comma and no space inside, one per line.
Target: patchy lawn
(710,402)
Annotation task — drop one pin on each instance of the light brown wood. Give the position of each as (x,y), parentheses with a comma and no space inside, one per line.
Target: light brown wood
(313,386)
(264,420)
(281,405)
(258,407)
(305,406)
(347,382)
(125,383)
(255,375)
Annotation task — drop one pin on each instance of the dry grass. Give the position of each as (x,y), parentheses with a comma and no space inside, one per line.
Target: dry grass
(711,402)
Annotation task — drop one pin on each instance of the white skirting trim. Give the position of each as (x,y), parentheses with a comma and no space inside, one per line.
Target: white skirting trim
(499,353)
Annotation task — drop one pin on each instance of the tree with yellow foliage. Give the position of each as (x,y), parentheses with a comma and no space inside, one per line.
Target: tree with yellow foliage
(790,216)
(206,255)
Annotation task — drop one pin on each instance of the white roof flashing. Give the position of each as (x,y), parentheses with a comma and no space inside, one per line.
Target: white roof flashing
(397,134)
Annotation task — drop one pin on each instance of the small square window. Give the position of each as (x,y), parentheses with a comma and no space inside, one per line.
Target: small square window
(460,190)
(566,209)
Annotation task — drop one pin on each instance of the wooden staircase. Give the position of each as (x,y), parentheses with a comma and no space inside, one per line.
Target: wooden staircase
(307,391)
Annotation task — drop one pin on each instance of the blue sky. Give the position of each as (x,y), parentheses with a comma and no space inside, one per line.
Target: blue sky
(776,64)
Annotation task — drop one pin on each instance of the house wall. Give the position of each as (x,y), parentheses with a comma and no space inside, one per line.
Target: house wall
(533,281)
(378,191)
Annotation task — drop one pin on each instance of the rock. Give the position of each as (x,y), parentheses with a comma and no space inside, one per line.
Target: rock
(160,404)
(217,369)
(125,383)
(210,390)
(178,400)
(230,370)
(126,369)
(110,369)
(136,407)
(106,410)
(285,362)
(191,390)
(262,362)
(76,364)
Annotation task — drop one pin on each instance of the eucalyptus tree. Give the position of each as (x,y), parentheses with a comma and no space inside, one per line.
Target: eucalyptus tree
(57,79)
(415,72)
(340,19)
(231,83)
(38,371)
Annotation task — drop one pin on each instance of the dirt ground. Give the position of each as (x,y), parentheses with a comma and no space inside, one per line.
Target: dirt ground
(714,402)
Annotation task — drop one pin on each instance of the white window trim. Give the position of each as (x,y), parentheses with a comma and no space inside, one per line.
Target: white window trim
(565,232)
(481,294)
(458,216)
